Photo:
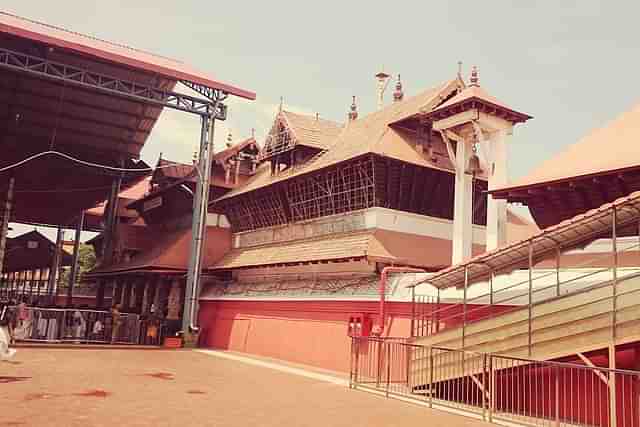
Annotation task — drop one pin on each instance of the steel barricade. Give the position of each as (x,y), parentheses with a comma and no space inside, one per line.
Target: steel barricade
(498,388)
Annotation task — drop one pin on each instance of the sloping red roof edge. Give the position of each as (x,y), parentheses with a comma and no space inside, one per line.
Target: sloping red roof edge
(91,48)
(498,191)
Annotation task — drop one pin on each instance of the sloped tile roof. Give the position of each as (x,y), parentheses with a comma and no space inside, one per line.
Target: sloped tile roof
(478,93)
(311,131)
(614,147)
(170,251)
(373,133)
(374,244)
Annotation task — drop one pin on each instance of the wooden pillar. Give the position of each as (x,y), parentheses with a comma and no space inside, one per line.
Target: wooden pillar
(140,287)
(145,297)
(173,302)
(125,295)
(157,301)
(100,294)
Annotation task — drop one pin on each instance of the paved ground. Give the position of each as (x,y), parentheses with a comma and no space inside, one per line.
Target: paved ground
(69,387)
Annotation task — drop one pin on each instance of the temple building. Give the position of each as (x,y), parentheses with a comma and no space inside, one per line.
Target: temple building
(150,250)
(331,205)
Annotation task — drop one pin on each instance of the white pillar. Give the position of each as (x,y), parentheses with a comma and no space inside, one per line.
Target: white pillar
(497,209)
(463,206)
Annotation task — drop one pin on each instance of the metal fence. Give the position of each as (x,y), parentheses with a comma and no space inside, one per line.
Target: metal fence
(498,388)
(53,325)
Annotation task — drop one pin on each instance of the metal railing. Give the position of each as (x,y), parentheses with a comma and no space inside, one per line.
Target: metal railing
(532,291)
(497,388)
(53,325)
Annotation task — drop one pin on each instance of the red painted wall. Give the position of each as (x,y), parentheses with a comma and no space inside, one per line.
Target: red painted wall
(308,332)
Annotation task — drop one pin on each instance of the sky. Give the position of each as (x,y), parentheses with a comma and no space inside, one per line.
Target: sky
(572,65)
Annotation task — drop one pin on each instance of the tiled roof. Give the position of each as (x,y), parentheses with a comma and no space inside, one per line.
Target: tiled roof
(223,155)
(170,251)
(312,131)
(614,147)
(375,245)
(126,196)
(174,170)
(370,134)
(478,94)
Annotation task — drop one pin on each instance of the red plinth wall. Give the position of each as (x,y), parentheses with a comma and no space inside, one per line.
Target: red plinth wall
(310,332)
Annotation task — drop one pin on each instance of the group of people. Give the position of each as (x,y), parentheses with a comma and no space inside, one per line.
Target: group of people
(12,321)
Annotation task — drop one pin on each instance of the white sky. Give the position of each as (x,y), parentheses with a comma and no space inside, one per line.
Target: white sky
(573,65)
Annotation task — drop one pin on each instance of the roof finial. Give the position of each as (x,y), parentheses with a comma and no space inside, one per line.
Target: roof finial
(398,94)
(281,104)
(460,70)
(353,114)
(195,157)
(253,133)
(229,139)
(317,116)
(382,80)
(474,76)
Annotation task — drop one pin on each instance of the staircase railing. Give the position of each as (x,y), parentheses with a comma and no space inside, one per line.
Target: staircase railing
(545,285)
(497,388)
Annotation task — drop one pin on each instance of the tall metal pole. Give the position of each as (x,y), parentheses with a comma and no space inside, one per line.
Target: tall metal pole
(464,306)
(6,217)
(614,248)
(74,266)
(558,271)
(199,225)
(112,216)
(530,293)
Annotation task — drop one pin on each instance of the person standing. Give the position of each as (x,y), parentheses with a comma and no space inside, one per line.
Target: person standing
(116,322)
(6,353)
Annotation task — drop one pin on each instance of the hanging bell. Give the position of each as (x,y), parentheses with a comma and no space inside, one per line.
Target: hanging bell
(473,167)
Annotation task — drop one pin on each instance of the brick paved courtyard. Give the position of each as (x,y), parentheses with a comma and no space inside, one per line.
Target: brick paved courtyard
(73,387)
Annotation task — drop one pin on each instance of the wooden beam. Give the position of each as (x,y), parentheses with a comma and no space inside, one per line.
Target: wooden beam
(450,151)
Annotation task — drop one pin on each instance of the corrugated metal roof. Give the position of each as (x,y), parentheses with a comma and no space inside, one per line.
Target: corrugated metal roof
(118,53)
(572,233)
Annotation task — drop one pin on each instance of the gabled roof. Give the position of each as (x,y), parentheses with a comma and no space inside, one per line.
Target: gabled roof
(125,197)
(223,155)
(181,171)
(175,170)
(476,94)
(374,133)
(59,37)
(311,131)
(610,149)
(31,251)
